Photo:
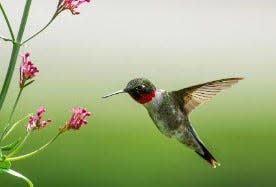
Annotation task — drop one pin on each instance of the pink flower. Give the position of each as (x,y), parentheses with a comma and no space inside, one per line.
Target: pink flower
(35,121)
(78,118)
(71,5)
(27,69)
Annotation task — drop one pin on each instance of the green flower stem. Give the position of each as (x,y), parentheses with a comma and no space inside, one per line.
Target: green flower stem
(20,145)
(16,174)
(14,126)
(41,30)
(34,152)
(7,21)
(10,117)
(6,39)
(58,11)
(14,105)
(15,51)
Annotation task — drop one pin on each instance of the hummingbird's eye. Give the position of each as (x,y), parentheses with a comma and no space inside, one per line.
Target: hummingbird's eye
(140,87)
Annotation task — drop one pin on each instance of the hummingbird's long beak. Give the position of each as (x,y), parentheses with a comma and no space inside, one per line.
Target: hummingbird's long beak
(115,93)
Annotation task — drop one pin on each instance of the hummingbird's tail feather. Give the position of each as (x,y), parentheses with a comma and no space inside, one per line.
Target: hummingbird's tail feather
(200,148)
(206,155)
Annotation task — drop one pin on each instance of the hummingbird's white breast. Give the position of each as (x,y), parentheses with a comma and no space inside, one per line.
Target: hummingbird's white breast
(153,107)
(157,99)
(166,115)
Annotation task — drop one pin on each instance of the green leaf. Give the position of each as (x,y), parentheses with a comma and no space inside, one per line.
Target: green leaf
(16,174)
(11,146)
(5,165)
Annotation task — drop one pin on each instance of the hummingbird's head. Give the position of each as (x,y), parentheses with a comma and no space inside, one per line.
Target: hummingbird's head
(140,89)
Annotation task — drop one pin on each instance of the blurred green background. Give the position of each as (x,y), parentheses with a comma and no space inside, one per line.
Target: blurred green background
(175,44)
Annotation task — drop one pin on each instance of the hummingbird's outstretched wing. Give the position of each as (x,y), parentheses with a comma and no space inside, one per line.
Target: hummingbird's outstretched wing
(193,96)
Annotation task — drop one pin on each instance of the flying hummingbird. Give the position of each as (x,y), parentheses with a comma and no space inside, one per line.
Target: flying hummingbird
(169,110)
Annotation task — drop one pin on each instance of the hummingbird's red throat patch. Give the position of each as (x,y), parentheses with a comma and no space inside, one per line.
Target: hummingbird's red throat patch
(143,98)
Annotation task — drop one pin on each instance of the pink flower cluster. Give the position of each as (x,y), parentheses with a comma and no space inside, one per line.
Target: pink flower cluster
(78,118)
(36,122)
(72,5)
(27,69)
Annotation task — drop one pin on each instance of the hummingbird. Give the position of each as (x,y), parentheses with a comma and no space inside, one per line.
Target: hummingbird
(169,110)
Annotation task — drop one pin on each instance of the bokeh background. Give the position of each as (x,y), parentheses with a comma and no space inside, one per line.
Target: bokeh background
(175,44)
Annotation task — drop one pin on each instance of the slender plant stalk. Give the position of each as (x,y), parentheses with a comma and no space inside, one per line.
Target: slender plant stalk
(14,126)
(16,174)
(41,30)
(6,39)
(14,54)
(58,11)
(10,117)
(15,104)
(7,21)
(34,152)
(20,145)
(15,51)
